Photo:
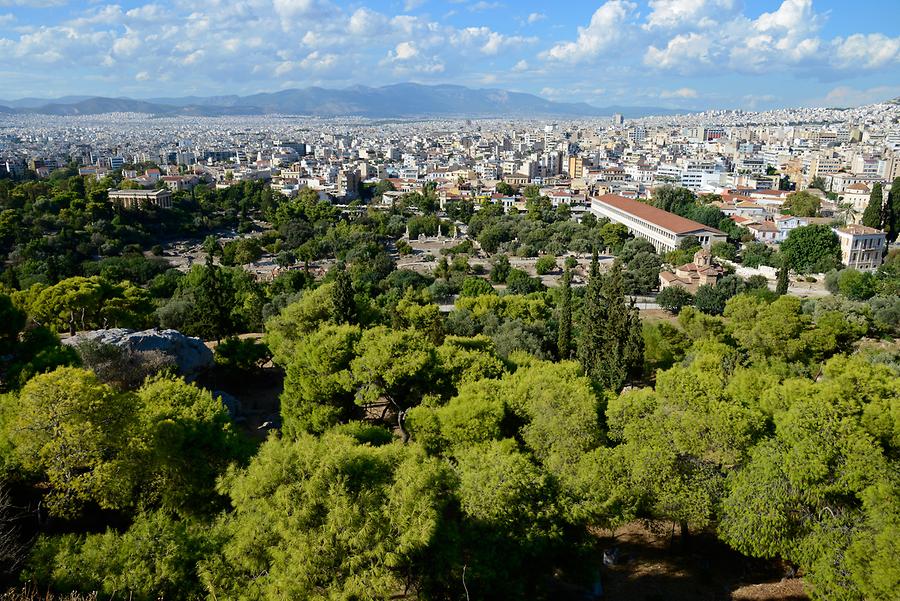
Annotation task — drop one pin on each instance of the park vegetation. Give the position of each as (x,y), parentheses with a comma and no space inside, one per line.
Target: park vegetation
(423,454)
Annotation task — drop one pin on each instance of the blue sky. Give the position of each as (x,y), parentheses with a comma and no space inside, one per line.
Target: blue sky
(676,53)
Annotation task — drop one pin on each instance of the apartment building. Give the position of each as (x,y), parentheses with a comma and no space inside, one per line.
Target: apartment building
(861,247)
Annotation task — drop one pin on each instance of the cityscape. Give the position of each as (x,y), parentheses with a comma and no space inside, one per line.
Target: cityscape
(450,300)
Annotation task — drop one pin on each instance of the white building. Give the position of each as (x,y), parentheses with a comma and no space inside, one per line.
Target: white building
(663,229)
(861,247)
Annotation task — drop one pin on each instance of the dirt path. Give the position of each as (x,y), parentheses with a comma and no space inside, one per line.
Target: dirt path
(653,567)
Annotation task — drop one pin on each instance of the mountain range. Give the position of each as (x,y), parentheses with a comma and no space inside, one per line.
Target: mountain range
(404,100)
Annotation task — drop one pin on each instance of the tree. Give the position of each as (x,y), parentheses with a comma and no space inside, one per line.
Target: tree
(892,209)
(673,298)
(709,300)
(755,254)
(545,264)
(500,269)
(872,216)
(342,300)
(817,492)
(564,332)
(610,345)
(802,204)
(475,286)
(681,440)
(812,249)
(186,440)
(75,431)
(642,266)
(781,284)
(519,282)
(505,189)
(331,518)
(393,366)
(212,307)
(723,250)
(157,556)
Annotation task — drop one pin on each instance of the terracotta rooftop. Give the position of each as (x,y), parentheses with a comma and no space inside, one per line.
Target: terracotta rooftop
(663,219)
(859,229)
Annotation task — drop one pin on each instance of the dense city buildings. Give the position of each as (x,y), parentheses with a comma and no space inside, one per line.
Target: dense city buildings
(746,163)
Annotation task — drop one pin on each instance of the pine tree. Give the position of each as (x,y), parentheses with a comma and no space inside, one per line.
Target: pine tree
(781,286)
(564,338)
(872,215)
(342,301)
(608,345)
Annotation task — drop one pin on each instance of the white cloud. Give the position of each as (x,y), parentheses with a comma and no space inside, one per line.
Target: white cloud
(520,66)
(142,76)
(483,5)
(7,19)
(679,93)
(404,51)
(485,41)
(605,30)
(535,17)
(34,3)
(684,51)
(412,4)
(863,51)
(843,96)
(672,14)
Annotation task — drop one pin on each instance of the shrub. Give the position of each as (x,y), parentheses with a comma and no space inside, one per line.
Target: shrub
(673,298)
(545,264)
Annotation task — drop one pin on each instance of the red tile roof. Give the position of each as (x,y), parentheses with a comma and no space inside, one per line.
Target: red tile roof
(663,219)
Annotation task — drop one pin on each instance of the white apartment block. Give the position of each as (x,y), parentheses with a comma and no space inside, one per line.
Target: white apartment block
(861,247)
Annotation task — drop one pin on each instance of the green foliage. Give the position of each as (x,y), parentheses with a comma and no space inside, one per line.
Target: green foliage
(475,286)
(642,266)
(545,264)
(500,269)
(610,345)
(813,492)
(156,557)
(812,249)
(855,285)
(872,216)
(756,254)
(75,431)
(242,355)
(318,385)
(673,298)
(327,518)
(709,299)
(723,250)
(802,204)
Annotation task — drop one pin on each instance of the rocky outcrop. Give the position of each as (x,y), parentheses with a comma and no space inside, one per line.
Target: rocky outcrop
(190,355)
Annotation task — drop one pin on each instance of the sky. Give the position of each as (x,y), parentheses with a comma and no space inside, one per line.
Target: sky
(692,54)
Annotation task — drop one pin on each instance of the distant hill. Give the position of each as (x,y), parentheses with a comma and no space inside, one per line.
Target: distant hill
(403,100)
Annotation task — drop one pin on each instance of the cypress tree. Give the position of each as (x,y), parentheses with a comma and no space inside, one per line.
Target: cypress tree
(872,215)
(781,286)
(564,338)
(608,346)
(342,301)
(891,221)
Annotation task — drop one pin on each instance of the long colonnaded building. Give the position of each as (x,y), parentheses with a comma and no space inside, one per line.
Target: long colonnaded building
(661,228)
(135,199)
